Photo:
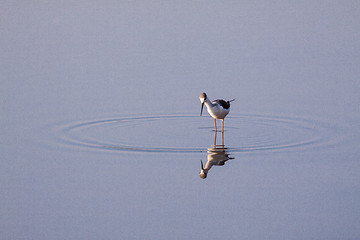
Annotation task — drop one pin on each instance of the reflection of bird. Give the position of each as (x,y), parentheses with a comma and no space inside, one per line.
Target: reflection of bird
(218,109)
(217,157)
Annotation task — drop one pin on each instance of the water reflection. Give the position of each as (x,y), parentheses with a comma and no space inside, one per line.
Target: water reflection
(216,155)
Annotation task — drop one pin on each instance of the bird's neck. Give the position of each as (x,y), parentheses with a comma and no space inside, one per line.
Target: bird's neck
(208,103)
(208,165)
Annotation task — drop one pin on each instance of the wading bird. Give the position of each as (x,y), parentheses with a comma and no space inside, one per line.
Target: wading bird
(218,109)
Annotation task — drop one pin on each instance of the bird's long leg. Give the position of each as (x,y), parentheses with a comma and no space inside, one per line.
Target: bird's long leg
(215,125)
(222,139)
(222,128)
(215,139)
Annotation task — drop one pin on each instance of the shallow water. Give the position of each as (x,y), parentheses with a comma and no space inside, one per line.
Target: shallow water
(101,136)
(186,133)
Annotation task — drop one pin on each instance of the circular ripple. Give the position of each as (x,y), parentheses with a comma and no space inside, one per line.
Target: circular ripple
(173,133)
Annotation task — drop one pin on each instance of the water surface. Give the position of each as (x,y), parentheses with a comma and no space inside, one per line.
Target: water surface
(101,136)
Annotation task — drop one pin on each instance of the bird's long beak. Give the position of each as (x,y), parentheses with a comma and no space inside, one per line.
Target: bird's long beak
(202,165)
(202,106)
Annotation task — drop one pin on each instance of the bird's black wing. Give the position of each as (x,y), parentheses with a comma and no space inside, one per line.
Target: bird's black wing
(223,103)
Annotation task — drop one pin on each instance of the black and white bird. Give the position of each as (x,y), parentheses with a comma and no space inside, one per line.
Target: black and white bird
(218,109)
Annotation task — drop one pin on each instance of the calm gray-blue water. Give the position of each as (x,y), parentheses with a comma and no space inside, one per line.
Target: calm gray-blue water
(101,134)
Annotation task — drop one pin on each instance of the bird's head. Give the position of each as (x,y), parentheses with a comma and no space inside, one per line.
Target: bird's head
(203,173)
(202,98)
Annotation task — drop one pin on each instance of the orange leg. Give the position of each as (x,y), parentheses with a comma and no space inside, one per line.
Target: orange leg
(215,140)
(215,125)
(222,138)
(222,128)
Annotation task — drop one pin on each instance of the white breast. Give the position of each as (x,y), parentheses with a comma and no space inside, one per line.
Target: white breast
(217,111)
